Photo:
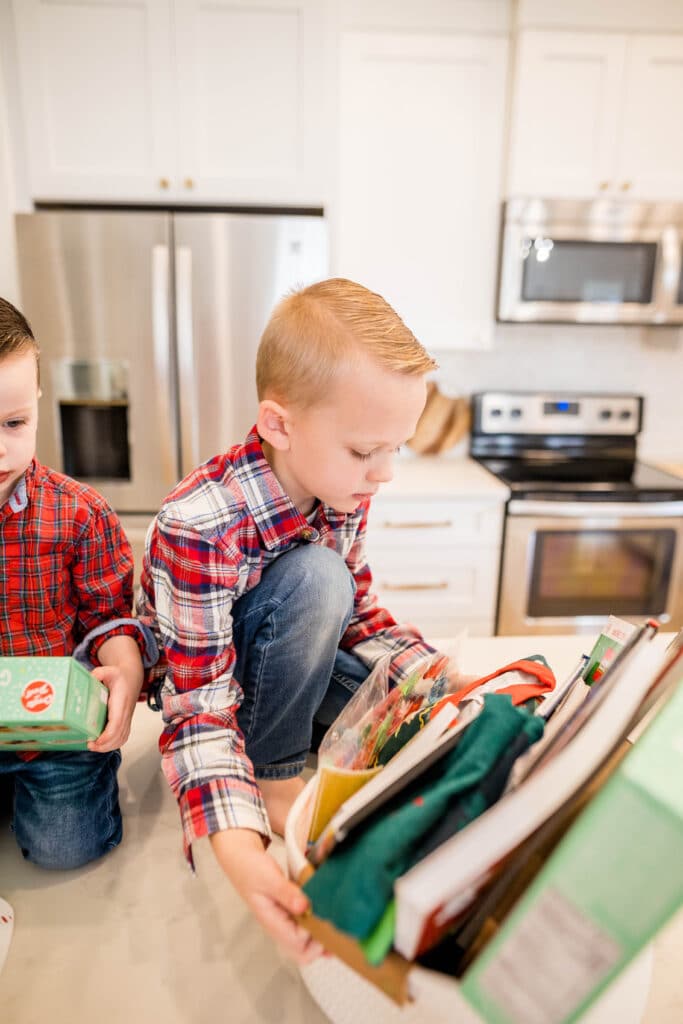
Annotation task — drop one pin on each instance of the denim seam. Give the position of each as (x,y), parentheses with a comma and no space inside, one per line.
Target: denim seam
(257,675)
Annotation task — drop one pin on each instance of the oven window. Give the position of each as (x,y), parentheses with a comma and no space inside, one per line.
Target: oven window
(601,572)
(566,271)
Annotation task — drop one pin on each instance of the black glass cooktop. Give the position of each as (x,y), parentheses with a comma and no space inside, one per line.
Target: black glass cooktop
(553,478)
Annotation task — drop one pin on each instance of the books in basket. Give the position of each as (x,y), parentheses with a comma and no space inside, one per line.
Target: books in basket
(608,887)
(436,892)
(434,741)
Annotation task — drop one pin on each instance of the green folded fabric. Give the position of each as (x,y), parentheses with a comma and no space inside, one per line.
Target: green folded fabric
(354,886)
(381,938)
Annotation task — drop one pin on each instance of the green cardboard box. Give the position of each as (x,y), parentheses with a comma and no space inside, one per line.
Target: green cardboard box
(49,704)
(610,885)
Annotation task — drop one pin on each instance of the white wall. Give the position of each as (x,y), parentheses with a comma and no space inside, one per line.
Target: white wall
(8,272)
(647,362)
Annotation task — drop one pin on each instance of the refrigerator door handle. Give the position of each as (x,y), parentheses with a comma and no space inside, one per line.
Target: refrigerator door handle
(187,372)
(161,305)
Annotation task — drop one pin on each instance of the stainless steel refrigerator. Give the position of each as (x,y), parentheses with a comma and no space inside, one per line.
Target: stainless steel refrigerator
(148,324)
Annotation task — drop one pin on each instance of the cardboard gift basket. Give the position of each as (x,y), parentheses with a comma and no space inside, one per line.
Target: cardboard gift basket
(565,879)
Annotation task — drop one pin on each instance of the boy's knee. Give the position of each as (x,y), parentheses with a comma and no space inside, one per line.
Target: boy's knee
(70,855)
(324,580)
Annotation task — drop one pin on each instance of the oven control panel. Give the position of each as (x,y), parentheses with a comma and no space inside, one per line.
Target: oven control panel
(510,412)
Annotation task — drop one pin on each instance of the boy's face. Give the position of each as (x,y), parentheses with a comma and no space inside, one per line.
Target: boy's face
(18,418)
(342,449)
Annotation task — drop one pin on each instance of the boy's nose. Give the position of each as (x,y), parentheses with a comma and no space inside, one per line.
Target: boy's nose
(382,472)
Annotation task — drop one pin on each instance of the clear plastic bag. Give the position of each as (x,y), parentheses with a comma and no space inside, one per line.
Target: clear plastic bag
(342,742)
(375,712)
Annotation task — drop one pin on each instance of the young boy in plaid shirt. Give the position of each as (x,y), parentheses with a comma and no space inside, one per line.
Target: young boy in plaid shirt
(67,588)
(256,573)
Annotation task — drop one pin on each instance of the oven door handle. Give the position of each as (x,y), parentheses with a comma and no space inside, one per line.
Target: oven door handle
(596,509)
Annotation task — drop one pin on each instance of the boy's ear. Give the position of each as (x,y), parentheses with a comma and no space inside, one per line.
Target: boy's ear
(273,424)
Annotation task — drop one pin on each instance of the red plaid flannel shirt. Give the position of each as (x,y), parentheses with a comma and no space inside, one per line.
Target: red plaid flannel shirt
(65,565)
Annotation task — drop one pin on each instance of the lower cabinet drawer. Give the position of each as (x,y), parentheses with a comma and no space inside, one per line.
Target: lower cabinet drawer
(433,524)
(439,596)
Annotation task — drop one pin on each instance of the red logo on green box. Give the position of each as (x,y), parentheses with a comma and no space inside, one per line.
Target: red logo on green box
(37,695)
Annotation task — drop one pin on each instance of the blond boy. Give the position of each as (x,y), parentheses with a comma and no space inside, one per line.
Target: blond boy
(256,573)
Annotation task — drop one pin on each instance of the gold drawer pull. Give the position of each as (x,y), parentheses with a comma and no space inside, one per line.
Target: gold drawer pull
(439,524)
(441,585)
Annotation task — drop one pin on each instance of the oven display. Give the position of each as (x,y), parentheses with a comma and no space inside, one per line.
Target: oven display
(561,408)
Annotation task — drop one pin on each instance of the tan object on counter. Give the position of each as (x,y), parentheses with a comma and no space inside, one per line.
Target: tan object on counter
(443,423)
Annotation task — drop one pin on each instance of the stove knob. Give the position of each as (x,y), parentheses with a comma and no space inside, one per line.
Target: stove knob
(625,414)
(496,412)
(605,414)
(515,413)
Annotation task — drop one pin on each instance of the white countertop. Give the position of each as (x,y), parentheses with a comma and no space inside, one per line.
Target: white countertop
(670,467)
(482,654)
(432,476)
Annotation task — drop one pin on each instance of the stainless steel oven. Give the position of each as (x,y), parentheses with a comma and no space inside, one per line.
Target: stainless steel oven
(599,261)
(589,530)
(567,565)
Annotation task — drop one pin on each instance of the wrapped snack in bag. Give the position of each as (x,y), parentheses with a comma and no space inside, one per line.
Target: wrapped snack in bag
(349,752)
(337,779)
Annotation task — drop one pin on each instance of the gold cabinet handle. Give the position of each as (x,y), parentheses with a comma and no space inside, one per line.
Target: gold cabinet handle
(440,585)
(439,524)
(603,186)
(188,183)
(625,185)
(164,183)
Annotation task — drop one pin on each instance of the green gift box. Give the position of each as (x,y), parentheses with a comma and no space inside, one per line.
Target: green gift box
(49,704)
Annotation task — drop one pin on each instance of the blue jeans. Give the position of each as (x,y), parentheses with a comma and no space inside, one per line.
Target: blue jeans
(66,806)
(295,679)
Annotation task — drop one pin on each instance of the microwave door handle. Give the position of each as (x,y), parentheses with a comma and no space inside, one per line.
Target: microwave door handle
(161,342)
(668,273)
(187,371)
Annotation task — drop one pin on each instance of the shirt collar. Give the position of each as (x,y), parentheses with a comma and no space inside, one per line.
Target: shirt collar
(277,518)
(18,499)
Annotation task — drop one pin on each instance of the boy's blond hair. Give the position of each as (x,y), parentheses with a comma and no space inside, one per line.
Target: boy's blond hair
(311,332)
(16,334)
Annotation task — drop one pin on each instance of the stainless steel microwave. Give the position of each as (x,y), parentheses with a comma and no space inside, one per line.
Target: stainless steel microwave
(600,261)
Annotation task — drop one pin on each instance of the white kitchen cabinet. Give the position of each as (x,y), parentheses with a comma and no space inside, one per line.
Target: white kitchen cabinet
(592,115)
(421,126)
(167,100)
(651,149)
(97,97)
(435,562)
(251,93)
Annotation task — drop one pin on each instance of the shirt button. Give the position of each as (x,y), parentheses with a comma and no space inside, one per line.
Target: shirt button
(307,533)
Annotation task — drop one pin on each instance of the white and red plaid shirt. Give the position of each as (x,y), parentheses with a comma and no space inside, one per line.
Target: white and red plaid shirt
(213,538)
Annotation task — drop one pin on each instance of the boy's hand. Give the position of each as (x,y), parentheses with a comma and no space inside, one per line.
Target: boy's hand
(123,696)
(263,887)
(122,673)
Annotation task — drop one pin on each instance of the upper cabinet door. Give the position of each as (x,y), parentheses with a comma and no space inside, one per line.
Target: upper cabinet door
(650,157)
(97,90)
(420,154)
(251,87)
(566,113)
